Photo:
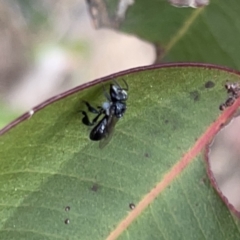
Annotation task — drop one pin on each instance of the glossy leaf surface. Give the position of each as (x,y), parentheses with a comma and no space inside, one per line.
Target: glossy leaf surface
(154,161)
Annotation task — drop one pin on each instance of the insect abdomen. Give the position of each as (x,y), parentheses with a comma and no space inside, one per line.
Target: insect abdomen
(98,132)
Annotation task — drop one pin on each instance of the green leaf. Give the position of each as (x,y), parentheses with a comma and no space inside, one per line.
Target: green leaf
(154,161)
(6,115)
(209,34)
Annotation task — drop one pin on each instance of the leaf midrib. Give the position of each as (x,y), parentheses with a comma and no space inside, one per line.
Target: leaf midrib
(176,170)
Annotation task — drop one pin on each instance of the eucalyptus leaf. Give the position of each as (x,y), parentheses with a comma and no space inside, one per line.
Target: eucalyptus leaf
(149,182)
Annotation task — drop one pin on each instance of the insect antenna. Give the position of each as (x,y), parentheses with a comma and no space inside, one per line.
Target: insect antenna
(125,85)
(116,82)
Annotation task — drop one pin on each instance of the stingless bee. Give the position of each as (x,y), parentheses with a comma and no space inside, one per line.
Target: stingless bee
(112,110)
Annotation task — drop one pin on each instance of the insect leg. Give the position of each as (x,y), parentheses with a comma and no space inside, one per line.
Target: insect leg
(91,108)
(96,118)
(85,119)
(125,85)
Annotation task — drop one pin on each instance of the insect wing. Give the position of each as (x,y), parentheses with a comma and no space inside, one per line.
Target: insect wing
(112,120)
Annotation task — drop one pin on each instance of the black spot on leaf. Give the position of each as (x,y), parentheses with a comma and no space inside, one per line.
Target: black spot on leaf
(195,96)
(209,84)
(132,206)
(203,180)
(95,187)
(67,221)
(67,208)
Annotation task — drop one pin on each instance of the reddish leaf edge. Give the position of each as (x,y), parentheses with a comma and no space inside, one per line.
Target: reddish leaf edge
(177,169)
(231,111)
(202,142)
(51,100)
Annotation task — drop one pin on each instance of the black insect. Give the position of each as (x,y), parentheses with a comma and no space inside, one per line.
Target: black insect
(229,102)
(112,110)
(233,90)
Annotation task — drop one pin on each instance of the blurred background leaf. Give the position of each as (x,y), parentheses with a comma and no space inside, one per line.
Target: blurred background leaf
(52,46)
(208,34)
